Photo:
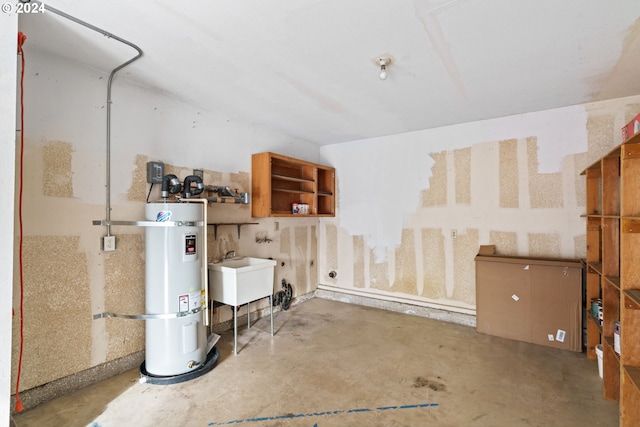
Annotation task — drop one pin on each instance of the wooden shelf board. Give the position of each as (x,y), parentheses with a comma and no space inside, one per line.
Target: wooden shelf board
(630,225)
(287,190)
(631,150)
(635,139)
(634,373)
(290,178)
(614,281)
(609,342)
(291,214)
(634,296)
(592,171)
(595,322)
(596,266)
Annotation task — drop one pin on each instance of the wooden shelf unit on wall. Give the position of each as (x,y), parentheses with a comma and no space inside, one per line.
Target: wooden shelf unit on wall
(278,181)
(613,272)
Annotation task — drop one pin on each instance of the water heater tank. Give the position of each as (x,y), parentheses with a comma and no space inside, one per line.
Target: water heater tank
(174,285)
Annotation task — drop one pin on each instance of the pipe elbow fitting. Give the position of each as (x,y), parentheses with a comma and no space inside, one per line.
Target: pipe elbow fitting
(188,191)
(170,185)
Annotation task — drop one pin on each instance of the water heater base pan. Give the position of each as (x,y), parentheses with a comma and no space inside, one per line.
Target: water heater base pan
(208,365)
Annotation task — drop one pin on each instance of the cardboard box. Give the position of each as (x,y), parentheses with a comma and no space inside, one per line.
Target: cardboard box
(631,128)
(487,250)
(533,300)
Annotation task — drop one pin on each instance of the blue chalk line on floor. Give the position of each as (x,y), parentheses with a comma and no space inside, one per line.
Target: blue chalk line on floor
(321,414)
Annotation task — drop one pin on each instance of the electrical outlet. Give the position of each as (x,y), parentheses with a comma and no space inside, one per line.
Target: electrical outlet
(454,234)
(109,243)
(276,226)
(198,172)
(155,172)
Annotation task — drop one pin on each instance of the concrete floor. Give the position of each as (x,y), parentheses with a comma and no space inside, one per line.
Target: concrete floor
(336,364)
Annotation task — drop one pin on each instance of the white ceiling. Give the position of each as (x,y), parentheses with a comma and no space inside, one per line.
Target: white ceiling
(306,67)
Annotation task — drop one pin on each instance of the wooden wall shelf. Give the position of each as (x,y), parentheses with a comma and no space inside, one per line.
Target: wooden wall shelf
(613,247)
(278,181)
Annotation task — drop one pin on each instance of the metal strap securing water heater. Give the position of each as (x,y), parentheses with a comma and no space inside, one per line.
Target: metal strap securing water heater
(147,316)
(149,224)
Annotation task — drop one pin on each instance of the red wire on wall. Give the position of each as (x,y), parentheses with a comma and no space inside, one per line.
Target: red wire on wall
(21,39)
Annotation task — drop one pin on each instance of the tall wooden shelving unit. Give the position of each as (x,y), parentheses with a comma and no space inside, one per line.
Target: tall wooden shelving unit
(613,272)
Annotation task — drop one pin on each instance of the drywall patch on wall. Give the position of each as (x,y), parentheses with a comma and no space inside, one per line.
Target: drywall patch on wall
(509,193)
(632,110)
(433,264)
(506,242)
(57,310)
(138,188)
(464,250)
(544,245)
(600,136)
(301,257)
(462,167)
(240,180)
(312,277)
(559,132)
(214,177)
(543,188)
(359,252)
(58,176)
(124,292)
(601,139)
(580,243)
(405,265)
(379,274)
(436,194)
(331,248)
(285,241)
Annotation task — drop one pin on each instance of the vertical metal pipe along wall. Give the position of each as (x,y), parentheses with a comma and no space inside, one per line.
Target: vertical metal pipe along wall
(109,84)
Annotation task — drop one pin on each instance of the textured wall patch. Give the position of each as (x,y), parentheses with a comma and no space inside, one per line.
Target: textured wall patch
(509,193)
(433,262)
(436,194)
(58,175)
(462,166)
(405,265)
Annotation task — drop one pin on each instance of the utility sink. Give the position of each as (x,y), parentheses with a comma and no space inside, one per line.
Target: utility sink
(239,281)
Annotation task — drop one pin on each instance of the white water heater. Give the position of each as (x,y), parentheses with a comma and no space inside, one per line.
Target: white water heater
(176,339)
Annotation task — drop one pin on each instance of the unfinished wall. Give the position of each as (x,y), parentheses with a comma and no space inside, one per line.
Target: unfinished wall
(67,277)
(439,194)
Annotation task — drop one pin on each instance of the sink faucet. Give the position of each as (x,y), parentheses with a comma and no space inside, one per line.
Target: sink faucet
(229,254)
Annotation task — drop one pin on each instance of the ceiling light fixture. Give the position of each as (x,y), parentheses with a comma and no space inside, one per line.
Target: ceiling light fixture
(383,62)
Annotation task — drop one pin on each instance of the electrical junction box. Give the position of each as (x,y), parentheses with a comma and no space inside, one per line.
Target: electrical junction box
(155,172)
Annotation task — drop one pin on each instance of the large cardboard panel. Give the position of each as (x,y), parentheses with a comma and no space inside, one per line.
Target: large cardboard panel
(503,300)
(531,300)
(556,296)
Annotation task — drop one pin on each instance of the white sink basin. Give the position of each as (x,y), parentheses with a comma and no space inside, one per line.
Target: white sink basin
(244,263)
(239,281)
